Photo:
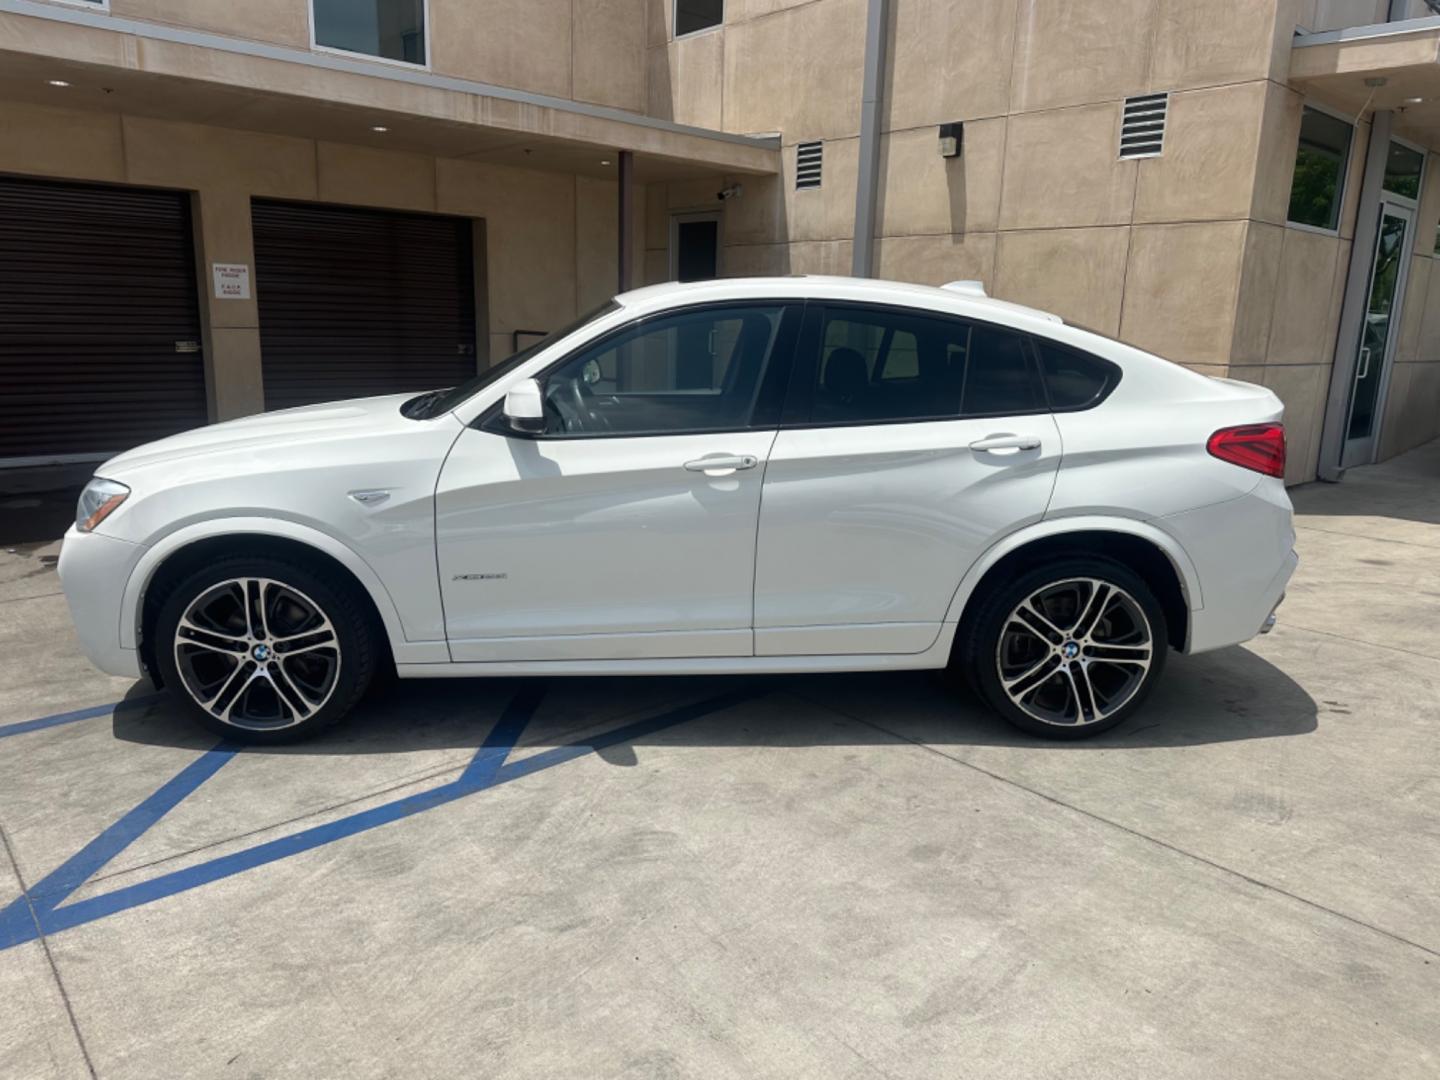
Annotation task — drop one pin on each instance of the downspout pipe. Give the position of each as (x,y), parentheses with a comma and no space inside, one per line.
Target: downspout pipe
(862,258)
(1356,300)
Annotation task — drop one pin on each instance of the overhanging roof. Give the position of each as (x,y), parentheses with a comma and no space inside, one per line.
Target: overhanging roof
(149,69)
(1340,66)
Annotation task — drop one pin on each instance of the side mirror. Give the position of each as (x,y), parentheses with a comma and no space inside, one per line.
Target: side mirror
(525,407)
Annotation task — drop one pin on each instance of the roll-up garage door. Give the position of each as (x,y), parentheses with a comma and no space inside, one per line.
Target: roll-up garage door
(99,322)
(361,302)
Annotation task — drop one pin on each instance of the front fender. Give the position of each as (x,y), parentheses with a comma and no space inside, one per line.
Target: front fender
(1052,527)
(131,608)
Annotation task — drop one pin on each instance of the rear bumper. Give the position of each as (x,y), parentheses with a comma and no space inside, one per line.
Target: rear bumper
(93,570)
(1243,551)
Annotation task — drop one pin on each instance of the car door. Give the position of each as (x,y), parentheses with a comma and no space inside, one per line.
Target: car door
(627,528)
(910,443)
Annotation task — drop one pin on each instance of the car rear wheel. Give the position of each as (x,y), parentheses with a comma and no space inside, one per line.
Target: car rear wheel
(263,650)
(1067,650)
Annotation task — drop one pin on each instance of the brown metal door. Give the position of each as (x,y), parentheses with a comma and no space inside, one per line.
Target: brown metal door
(355,302)
(99,322)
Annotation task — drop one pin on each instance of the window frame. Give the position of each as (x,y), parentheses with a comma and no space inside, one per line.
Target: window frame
(774,383)
(804,370)
(332,50)
(1343,188)
(1413,202)
(675,22)
(85,5)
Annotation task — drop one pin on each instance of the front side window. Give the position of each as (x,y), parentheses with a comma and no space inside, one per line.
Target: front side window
(694,15)
(389,29)
(682,372)
(1319,184)
(878,365)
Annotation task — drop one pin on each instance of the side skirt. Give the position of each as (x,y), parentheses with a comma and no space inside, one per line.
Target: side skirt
(937,656)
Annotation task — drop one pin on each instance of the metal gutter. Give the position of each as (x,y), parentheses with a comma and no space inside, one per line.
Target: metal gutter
(102,20)
(1363,33)
(862,257)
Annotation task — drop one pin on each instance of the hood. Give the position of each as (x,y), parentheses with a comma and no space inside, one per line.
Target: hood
(268,432)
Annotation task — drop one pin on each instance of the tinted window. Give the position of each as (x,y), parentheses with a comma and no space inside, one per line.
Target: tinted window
(1319,178)
(698,370)
(878,365)
(393,29)
(693,15)
(1403,167)
(1073,379)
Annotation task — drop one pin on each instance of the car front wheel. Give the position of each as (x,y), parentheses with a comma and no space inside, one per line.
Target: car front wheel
(1068,650)
(263,650)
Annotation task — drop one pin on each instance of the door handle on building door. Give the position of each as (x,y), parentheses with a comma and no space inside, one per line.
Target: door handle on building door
(1364,364)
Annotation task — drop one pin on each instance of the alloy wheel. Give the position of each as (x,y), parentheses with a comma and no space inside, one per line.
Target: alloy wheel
(1074,652)
(257,654)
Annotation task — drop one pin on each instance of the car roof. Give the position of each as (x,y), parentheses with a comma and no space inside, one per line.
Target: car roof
(957,298)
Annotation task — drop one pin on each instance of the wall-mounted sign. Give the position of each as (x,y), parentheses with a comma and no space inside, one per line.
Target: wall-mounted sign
(232,281)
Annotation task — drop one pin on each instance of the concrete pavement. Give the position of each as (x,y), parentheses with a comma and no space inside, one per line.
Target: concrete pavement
(845,876)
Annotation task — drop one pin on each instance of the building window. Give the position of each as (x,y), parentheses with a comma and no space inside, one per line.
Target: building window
(388,29)
(1319,184)
(1403,167)
(695,15)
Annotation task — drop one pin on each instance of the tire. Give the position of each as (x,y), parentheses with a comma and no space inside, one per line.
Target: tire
(1042,676)
(279,678)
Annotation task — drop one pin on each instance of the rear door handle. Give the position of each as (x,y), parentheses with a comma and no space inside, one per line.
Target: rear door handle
(1007,442)
(722,464)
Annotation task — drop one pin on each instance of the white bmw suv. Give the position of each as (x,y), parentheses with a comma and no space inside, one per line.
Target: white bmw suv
(747,475)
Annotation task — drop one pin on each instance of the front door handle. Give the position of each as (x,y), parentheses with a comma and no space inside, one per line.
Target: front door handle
(722,464)
(1007,442)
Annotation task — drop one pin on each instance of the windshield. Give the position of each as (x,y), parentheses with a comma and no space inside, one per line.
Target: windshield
(442,401)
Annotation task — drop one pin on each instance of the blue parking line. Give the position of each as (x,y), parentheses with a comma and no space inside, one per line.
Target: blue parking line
(71,717)
(487,769)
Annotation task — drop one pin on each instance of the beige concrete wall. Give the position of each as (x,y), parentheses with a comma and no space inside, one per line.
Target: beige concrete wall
(587,50)
(1187,254)
(551,236)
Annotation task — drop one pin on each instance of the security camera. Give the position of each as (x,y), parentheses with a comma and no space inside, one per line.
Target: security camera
(731,192)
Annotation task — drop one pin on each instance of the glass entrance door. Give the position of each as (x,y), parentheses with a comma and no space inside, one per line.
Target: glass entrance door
(1378,337)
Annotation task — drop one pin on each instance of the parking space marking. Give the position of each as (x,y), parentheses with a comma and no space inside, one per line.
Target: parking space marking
(39,911)
(79,714)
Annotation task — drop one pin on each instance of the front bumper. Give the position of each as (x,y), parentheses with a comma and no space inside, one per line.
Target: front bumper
(94,570)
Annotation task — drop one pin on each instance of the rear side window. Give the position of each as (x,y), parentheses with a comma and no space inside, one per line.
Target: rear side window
(1074,379)
(881,364)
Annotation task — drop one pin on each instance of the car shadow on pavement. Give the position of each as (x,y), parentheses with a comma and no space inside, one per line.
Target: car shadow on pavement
(1228,695)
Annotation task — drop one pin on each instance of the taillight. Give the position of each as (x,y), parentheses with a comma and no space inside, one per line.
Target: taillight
(1253,446)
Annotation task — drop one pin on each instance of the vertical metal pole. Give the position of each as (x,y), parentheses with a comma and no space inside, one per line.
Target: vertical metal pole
(627,199)
(862,259)
(1356,299)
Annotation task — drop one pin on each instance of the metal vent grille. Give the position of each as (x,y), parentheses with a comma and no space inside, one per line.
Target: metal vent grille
(807,165)
(1142,131)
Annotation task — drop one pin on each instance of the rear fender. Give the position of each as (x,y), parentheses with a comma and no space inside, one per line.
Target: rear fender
(1053,527)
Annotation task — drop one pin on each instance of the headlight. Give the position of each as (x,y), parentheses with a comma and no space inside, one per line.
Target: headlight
(99,500)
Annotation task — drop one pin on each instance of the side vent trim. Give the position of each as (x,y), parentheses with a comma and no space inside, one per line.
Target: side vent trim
(1142,128)
(807,165)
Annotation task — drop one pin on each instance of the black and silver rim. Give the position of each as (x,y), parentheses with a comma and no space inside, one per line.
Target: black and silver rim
(1074,652)
(257,654)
